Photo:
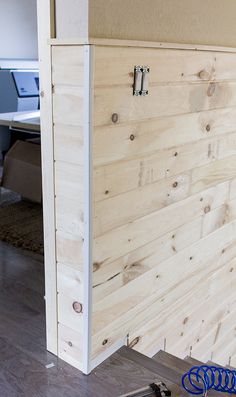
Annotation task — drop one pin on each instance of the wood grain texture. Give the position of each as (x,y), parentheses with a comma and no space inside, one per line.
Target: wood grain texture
(164,203)
(69,122)
(46,31)
(147,212)
(166,100)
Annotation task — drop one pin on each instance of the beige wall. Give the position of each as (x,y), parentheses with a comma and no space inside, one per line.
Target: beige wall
(182,21)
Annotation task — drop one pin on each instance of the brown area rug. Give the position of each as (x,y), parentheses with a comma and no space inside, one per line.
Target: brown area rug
(21,224)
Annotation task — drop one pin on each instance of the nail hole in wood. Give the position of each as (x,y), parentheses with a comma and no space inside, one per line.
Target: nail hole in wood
(208,127)
(105,342)
(78,308)
(176,154)
(175,184)
(207,209)
(115,118)
(70,344)
(107,192)
(132,137)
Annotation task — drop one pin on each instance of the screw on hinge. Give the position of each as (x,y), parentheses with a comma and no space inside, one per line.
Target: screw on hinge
(140,87)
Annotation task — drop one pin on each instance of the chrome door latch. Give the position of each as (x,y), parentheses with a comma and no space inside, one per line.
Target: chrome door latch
(141,80)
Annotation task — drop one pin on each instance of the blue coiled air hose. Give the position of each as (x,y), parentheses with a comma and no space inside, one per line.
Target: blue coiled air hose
(200,379)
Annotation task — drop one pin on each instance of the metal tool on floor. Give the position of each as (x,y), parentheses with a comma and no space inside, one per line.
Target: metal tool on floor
(200,379)
(158,389)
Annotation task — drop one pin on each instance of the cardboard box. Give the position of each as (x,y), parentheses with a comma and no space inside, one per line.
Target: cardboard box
(22,170)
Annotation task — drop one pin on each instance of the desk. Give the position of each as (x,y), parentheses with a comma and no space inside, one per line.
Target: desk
(21,121)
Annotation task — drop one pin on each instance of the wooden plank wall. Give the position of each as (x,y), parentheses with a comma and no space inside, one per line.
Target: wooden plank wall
(164,203)
(69,95)
(46,31)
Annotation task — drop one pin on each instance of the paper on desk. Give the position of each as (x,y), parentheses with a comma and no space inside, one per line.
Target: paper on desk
(26,116)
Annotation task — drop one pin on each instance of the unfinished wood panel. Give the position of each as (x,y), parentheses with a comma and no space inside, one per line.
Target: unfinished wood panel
(145,200)
(70,127)
(142,230)
(116,211)
(46,31)
(189,66)
(70,346)
(177,330)
(212,174)
(159,302)
(68,145)
(68,73)
(113,275)
(164,214)
(111,179)
(112,143)
(160,278)
(166,100)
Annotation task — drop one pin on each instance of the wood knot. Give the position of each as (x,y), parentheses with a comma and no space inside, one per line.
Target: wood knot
(115,118)
(105,342)
(204,75)
(175,184)
(207,209)
(134,342)
(96,266)
(77,307)
(208,128)
(132,137)
(70,344)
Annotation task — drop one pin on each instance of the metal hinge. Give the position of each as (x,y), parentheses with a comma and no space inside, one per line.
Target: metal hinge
(141,80)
